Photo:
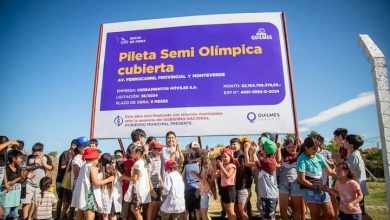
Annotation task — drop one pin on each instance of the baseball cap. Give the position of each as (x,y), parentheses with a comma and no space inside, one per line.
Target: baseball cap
(82,141)
(194,145)
(170,164)
(228,151)
(268,146)
(156,145)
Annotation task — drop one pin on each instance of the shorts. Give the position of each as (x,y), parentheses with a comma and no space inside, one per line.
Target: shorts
(228,194)
(23,192)
(126,212)
(192,199)
(66,195)
(205,200)
(11,212)
(268,205)
(315,196)
(290,188)
(242,196)
(30,193)
(344,216)
(172,216)
(158,192)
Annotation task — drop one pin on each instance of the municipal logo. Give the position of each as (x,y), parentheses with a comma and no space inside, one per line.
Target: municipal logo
(261,34)
(118,120)
(251,116)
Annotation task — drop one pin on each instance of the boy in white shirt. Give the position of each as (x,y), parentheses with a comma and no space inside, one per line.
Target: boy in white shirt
(173,206)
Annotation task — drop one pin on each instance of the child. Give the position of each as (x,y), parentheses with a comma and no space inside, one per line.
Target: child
(139,193)
(192,196)
(206,186)
(111,192)
(87,195)
(267,185)
(13,177)
(349,192)
(227,171)
(288,185)
(353,142)
(37,163)
(310,166)
(44,201)
(155,178)
(173,206)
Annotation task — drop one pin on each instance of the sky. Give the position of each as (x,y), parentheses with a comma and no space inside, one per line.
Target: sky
(48,55)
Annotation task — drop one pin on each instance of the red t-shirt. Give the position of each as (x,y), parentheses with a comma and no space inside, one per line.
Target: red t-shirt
(128,165)
(268,164)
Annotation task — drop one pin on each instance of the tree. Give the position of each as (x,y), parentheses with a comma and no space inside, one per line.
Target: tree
(53,154)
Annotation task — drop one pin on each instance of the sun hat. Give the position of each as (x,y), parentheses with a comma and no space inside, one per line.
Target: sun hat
(90,154)
(82,141)
(170,164)
(268,146)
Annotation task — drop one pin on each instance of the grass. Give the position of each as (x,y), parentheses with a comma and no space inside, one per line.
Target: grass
(376,204)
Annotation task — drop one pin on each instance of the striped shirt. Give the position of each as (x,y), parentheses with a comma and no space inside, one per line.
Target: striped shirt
(44,206)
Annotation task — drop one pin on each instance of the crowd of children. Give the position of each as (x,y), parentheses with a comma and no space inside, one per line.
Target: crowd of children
(150,180)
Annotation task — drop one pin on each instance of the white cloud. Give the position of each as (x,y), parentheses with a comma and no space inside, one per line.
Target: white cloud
(362,100)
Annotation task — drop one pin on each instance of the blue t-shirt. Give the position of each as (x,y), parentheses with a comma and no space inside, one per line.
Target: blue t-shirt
(311,166)
(190,181)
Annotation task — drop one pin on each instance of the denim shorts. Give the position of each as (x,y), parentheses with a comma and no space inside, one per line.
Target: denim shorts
(205,200)
(290,188)
(344,216)
(315,196)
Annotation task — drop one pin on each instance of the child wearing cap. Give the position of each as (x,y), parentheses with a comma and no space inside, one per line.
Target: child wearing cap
(192,195)
(87,193)
(227,171)
(267,185)
(173,206)
(155,173)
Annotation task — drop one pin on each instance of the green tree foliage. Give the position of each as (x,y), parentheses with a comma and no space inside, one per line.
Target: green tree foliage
(53,153)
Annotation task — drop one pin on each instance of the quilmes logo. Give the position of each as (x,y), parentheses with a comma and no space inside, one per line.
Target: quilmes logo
(252,117)
(118,120)
(261,35)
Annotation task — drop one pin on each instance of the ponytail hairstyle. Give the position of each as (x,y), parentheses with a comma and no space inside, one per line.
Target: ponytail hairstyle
(207,172)
(44,185)
(105,166)
(139,149)
(309,142)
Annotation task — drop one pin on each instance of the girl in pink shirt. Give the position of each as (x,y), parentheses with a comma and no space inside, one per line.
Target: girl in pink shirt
(227,170)
(349,192)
